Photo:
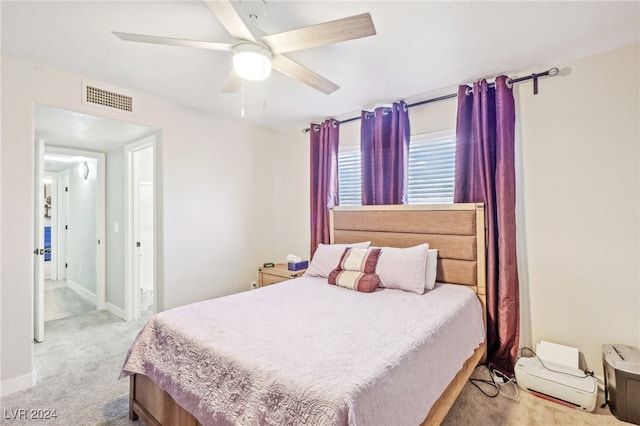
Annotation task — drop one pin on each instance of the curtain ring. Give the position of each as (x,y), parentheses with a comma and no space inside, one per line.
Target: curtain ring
(386,111)
(398,105)
(468,91)
(334,123)
(509,83)
(316,128)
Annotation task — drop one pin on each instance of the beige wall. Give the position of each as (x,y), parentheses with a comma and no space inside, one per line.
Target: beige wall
(217,217)
(292,189)
(579,203)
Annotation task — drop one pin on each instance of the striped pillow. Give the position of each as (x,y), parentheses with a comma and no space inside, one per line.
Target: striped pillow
(356,270)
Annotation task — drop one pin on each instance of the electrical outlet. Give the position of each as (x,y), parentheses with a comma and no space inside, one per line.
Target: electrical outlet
(254,285)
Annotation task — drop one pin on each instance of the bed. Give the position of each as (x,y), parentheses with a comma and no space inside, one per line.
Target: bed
(235,371)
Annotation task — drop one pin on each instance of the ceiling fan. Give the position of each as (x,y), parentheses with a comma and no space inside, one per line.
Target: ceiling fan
(253,60)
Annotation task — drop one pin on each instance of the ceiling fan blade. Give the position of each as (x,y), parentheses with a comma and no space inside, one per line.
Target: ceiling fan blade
(230,19)
(303,74)
(350,28)
(173,41)
(233,83)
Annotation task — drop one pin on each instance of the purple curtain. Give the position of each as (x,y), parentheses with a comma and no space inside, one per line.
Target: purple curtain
(384,146)
(324,179)
(485,173)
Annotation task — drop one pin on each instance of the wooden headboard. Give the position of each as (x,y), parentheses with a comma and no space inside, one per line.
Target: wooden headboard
(456,230)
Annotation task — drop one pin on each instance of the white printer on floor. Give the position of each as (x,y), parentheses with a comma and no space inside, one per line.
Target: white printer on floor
(560,382)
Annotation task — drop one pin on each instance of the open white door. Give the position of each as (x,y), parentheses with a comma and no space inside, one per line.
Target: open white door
(38,243)
(140,230)
(143,229)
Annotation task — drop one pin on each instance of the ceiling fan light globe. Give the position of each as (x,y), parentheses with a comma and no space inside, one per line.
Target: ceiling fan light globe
(251,62)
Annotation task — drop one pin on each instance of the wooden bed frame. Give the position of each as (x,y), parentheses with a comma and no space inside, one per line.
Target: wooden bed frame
(456,230)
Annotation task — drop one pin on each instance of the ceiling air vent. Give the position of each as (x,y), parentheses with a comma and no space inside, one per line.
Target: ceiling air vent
(96,96)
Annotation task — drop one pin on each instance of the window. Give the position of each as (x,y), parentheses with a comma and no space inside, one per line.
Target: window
(432,163)
(431,171)
(349,183)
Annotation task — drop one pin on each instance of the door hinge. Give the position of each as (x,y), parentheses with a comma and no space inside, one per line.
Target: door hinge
(137,243)
(66,265)
(98,241)
(66,189)
(66,227)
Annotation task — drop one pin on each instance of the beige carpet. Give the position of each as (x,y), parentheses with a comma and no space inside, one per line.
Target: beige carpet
(473,408)
(77,367)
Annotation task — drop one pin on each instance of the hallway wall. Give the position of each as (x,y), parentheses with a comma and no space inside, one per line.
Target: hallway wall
(115,239)
(81,235)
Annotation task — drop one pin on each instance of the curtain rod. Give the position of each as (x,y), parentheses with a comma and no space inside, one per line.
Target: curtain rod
(551,73)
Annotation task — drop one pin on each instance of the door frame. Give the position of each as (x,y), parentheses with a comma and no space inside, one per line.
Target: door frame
(100,217)
(132,285)
(38,241)
(62,211)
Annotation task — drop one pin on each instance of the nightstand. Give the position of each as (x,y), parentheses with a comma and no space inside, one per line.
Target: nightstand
(279,273)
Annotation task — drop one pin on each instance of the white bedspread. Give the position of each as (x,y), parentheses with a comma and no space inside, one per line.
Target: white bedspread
(305,352)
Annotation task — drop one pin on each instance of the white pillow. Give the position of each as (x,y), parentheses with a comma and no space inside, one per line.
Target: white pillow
(327,257)
(432,269)
(404,268)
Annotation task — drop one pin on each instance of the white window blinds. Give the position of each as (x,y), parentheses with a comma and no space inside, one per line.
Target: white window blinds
(349,182)
(431,171)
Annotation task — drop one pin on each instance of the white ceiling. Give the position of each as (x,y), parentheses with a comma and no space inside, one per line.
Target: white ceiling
(421,48)
(70,129)
(55,161)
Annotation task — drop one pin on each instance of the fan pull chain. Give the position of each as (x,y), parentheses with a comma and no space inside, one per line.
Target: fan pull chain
(264,94)
(242,96)
(264,83)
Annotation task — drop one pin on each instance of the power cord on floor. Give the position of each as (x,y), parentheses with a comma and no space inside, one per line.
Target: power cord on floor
(502,380)
(498,381)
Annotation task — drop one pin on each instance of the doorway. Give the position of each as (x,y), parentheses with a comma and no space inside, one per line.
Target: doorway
(72,238)
(73,135)
(69,225)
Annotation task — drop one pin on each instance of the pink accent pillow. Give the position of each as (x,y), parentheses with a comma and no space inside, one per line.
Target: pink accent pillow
(327,257)
(356,270)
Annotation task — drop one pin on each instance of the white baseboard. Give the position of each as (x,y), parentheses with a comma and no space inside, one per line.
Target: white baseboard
(16,384)
(116,311)
(82,292)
